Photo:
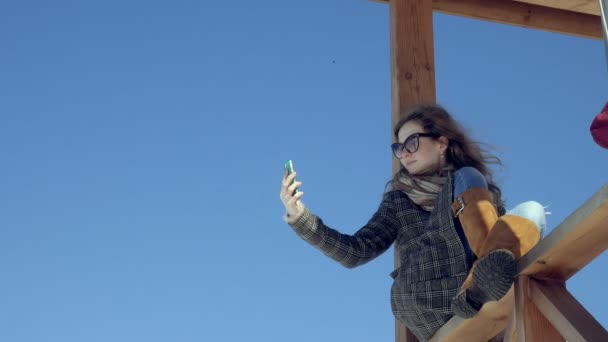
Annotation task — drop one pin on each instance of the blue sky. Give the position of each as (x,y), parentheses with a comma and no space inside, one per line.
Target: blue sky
(142,146)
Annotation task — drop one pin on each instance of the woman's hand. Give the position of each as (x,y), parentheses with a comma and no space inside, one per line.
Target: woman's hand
(291,201)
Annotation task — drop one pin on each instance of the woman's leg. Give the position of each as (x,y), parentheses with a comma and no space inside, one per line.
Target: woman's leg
(512,236)
(473,206)
(498,243)
(470,185)
(467,178)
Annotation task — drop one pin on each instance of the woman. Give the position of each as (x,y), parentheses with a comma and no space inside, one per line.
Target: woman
(457,250)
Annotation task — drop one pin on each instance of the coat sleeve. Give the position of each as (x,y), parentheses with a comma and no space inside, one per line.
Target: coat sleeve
(366,244)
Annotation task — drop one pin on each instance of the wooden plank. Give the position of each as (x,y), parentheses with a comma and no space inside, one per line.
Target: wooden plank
(524,15)
(532,326)
(604,13)
(412,55)
(582,6)
(491,320)
(412,74)
(579,239)
(565,313)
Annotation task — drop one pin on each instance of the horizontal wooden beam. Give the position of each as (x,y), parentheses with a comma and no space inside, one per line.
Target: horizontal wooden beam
(579,239)
(565,313)
(583,6)
(523,15)
(491,320)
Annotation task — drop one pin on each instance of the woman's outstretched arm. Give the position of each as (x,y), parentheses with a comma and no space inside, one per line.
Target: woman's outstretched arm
(368,242)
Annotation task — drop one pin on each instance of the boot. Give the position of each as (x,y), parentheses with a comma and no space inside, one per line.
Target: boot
(477,214)
(493,273)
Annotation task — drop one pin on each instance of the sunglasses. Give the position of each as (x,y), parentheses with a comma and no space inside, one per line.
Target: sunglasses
(410,144)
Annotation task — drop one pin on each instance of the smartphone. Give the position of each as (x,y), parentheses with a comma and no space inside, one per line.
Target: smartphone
(289,168)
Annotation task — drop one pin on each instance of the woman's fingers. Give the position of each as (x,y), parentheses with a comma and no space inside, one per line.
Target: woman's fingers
(293,201)
(293,187)
(287,188)
(287,179)
(289,192)
(289,196)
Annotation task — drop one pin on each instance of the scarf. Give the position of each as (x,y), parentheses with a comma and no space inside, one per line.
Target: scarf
(423,190)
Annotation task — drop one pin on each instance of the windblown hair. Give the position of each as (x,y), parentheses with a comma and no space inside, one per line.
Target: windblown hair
(461,151)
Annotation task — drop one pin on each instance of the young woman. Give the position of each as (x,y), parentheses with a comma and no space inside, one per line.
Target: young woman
(457,249)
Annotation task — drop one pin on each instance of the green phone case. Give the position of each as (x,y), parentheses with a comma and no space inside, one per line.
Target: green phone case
(289,168)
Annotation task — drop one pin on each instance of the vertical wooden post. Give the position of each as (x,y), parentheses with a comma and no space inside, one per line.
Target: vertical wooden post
(412,54)
(412,74)
(604,16)
(532,325)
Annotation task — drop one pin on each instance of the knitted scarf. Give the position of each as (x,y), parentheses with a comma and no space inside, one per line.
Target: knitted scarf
(423,190)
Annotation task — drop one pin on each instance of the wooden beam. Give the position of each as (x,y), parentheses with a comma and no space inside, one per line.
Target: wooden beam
(412,74)
(565,313)
(579,239)
(582,6)
(603,5)
(524,15)
(412,55)
(531,325)
(492,319)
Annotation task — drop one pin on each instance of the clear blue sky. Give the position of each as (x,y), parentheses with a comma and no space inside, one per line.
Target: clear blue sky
(142,145)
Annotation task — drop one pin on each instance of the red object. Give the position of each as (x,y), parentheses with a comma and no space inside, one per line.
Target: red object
(599,128)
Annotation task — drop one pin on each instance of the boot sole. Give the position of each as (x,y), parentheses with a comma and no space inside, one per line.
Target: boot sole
(492,279)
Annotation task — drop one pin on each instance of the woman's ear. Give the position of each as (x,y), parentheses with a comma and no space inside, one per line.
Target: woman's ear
(443,143)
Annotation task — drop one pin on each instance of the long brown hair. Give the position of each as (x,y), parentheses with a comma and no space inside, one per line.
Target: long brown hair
(461,151)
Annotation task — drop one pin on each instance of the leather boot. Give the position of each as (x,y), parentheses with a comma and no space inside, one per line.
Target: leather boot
(493,273)
(477,214)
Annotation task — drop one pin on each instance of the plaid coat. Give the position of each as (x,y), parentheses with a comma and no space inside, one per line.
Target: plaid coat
(432,257)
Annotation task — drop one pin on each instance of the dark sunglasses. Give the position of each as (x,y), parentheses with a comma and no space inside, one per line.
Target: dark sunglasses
(410,144)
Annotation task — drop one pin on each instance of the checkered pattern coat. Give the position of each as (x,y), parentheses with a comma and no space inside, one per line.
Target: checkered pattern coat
(431,255)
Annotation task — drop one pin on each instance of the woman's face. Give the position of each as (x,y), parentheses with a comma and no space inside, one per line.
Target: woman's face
(428,152)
